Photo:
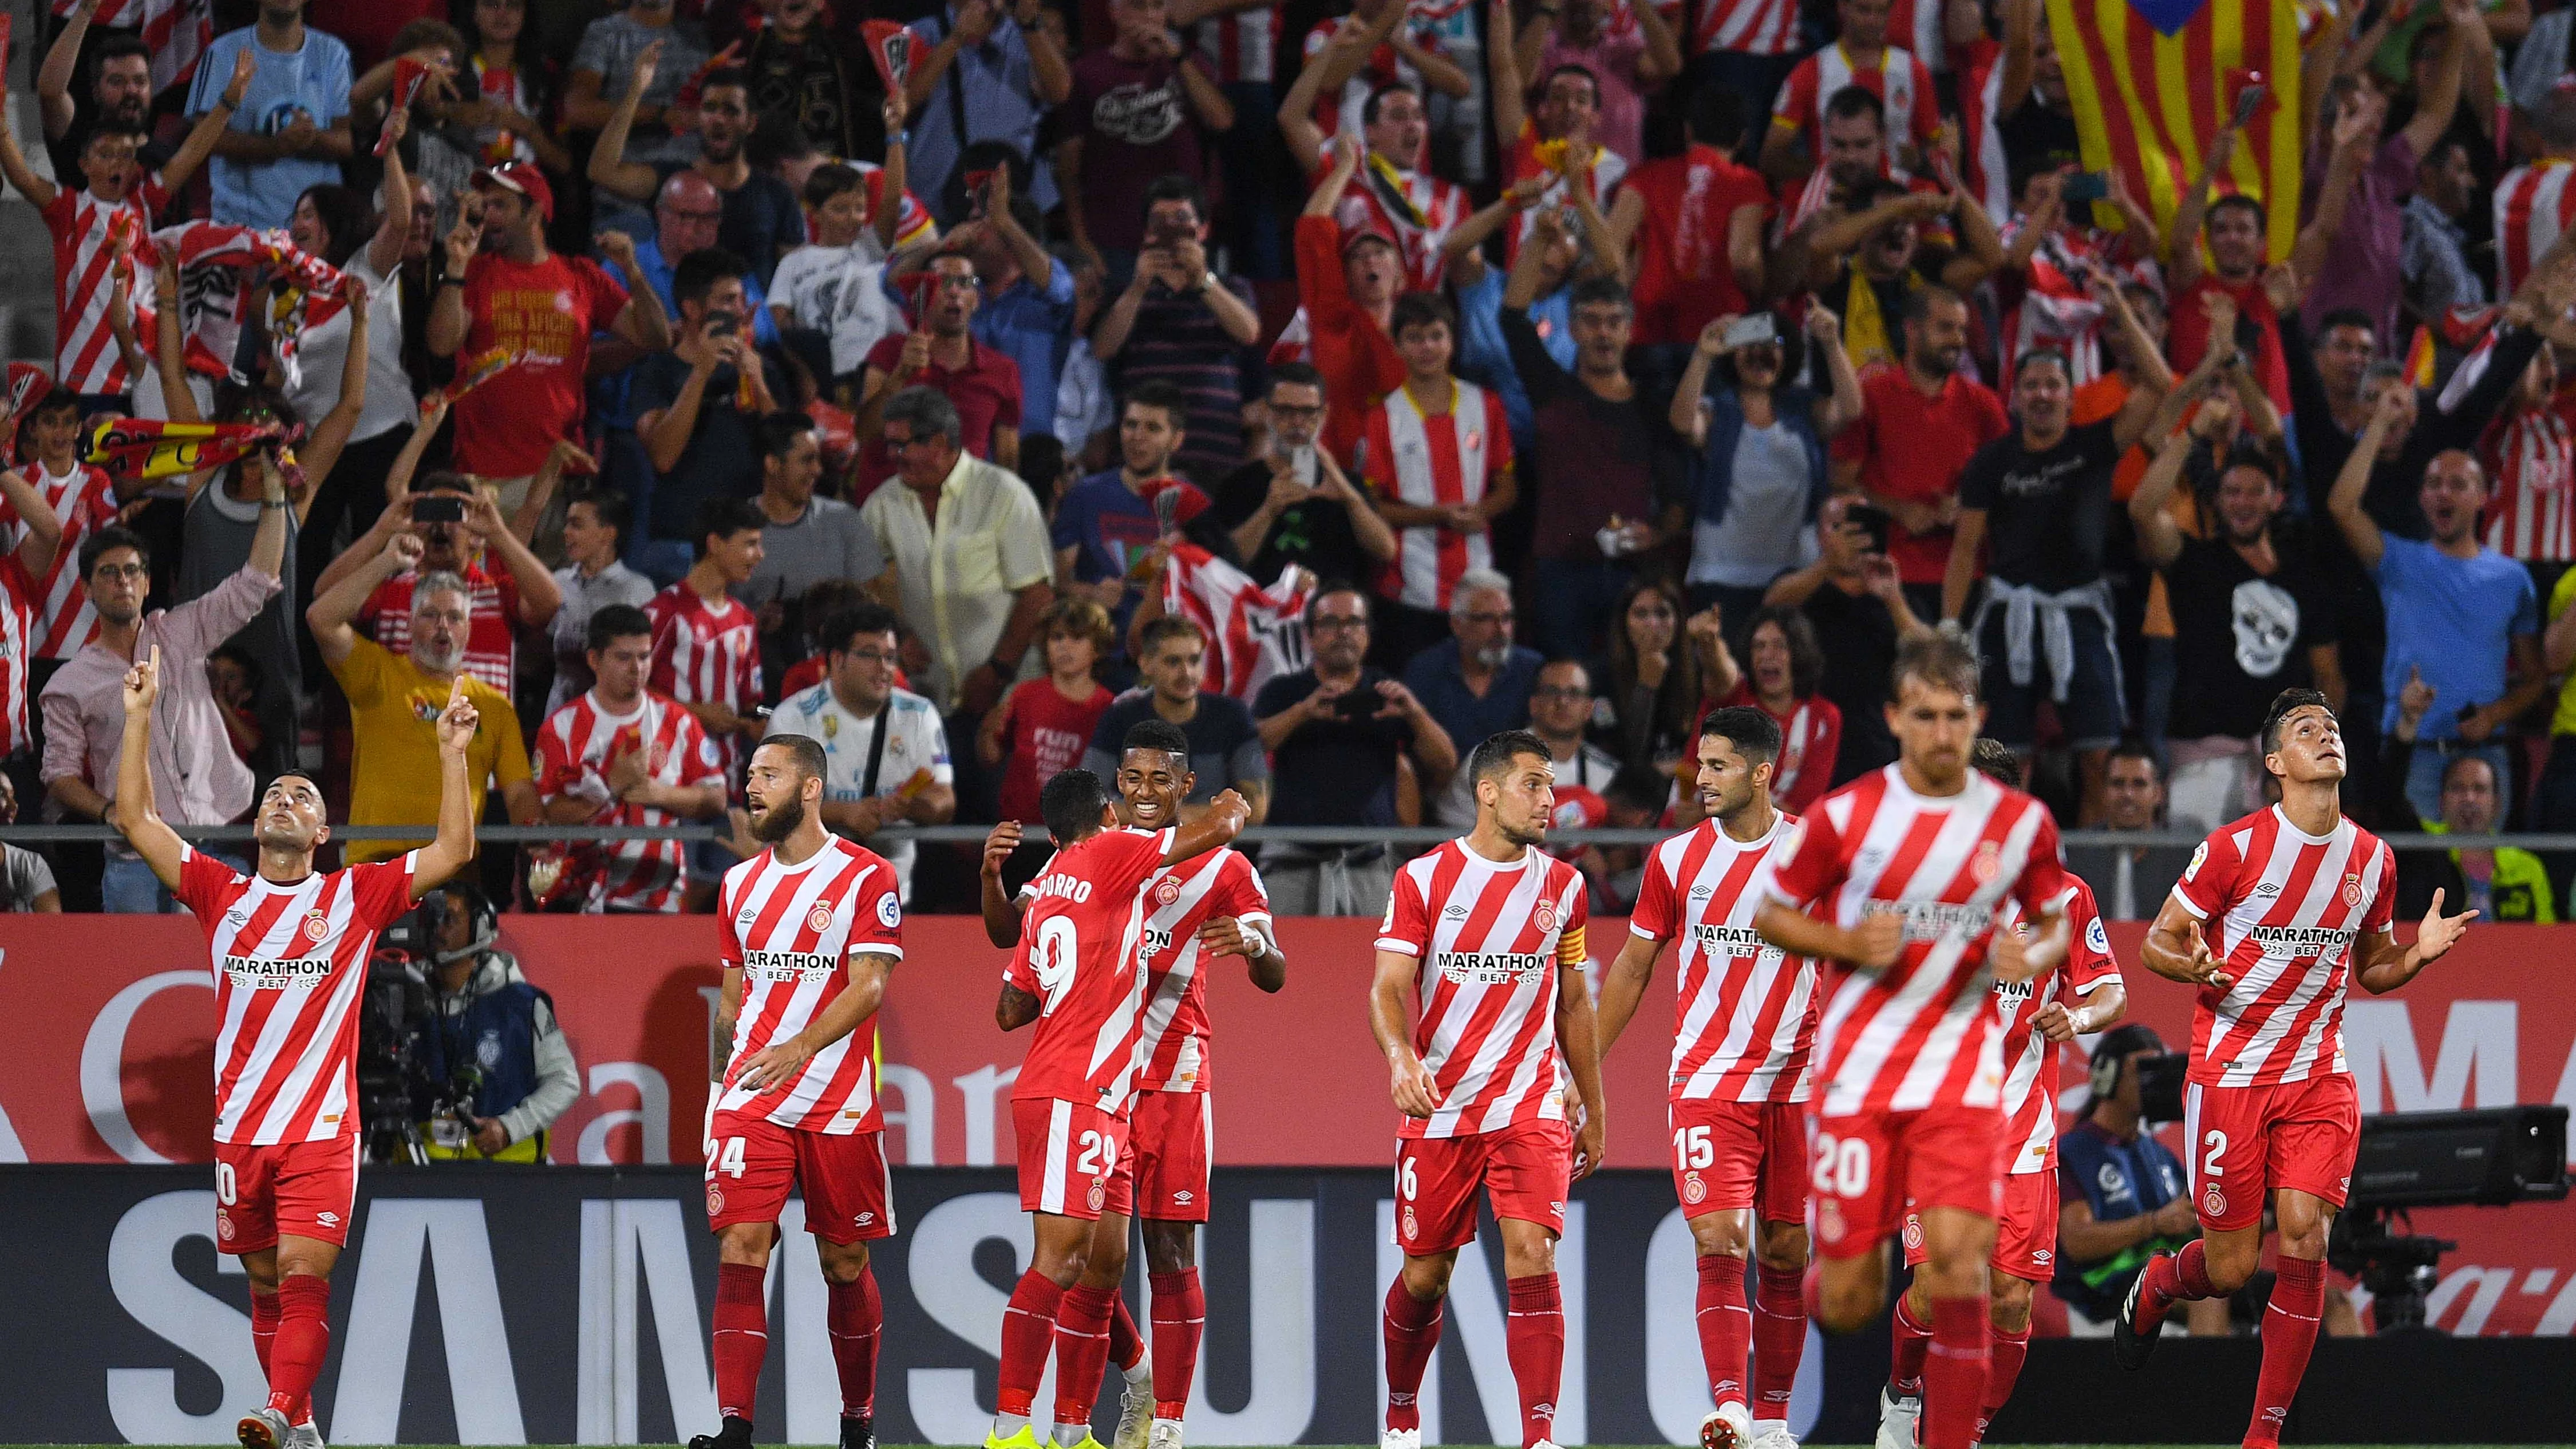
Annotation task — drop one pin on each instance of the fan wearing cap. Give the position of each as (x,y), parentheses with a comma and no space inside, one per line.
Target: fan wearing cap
(504,291)
(1107,525)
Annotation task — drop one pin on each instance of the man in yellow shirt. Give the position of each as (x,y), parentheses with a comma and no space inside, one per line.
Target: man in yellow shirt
(395,699)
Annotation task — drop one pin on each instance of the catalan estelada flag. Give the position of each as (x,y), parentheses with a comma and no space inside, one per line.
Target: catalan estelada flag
(2152,80)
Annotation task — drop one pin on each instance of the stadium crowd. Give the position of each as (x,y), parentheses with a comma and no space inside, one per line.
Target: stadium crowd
(1341,388)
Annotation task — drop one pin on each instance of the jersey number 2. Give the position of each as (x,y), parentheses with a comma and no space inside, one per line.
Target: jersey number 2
(2216,1142)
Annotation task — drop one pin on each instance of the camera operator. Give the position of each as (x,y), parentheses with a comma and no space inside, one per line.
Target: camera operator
(2122,1194)
(496,1069)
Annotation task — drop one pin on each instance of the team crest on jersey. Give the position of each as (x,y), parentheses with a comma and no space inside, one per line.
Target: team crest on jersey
(1545,916)
(1989,859)
(223,1225)
(1168,891)
(1829,1221)
(2213,1200)
(317,924)
(2352,890)
(715,1200)
(819,918)
(1913,1234)
(1099,1193)
(1693,1190)
(1411,1230)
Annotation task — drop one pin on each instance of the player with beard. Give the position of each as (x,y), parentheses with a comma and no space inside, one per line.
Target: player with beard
(810,930)
(1195,912)
(1487,931)
(1080,972)
(2278,914)
(1744,1023)
(2038,1016)
(290,948)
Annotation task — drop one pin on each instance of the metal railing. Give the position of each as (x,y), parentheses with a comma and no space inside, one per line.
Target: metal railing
(1392,835)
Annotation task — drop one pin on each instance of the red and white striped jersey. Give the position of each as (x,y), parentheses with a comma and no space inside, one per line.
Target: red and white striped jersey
(1254,633)
(1916,25)
(574,749)
(86,358)
(1921,1031)
(2283,909)
(1243,46)
(1490,938)
(2530,454)
(2030,1058)
(290,963)
(82,501)
(1983,167)
(706,654)
(1441,205)
(1077,955)
(1384,66)
(1173,1053)
(18,595)
(1744,1012)
(791,931)
(2533,204)
(1747,27)
(491,639)
(1432,461)
(1899,80)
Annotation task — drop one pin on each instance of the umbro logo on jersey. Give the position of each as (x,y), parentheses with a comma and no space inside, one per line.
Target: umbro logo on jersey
(1184,1197)
(1456,913)
(2267,888)
(864,1219)
(1701,892)
(328,1220)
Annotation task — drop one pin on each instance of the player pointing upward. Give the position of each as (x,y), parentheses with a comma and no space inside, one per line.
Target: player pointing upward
(1488,931)
(2269,921)
(290,950)
(1745,1019)
(1909,870)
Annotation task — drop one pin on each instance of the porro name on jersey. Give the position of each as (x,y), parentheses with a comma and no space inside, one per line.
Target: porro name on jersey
(1734,941)
(1937,920)
(265,973)
(1492,968)
(805,968)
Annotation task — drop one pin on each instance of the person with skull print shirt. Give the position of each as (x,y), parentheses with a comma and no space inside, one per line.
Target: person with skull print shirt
(2250,616)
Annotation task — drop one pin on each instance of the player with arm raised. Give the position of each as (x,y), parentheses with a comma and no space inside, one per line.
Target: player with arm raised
(1487,931)
(2038,1016)
(2275,916)
(290,948)
(1744,1022)
(1909,871)
(1195,912)
(808,931)
(1076,973)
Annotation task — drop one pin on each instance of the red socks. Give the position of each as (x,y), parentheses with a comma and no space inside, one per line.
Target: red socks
(1725,1326)
(1028,1332)
(1534,1333)
(263,1326)
(1081,1350)
(2289,1335)
(2181,1278)
(1907,1339)
(741,1337)
(2005,1367)
(1126,1345)
(1179,1312)
(1954,1374)
(1779,1338)
(303,1339)
(1412,1330)
(854,1314)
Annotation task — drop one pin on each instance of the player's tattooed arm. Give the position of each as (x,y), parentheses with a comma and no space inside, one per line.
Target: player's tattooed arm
(774,1064)
(720,1035)
(1016,1009)
(2176,950)
(1576,1037)
(1409,1083)
(2387,965)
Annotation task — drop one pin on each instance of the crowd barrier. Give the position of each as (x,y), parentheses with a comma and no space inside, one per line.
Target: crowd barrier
(112,1060)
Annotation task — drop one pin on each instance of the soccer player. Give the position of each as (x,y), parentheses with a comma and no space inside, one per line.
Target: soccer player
(290,948)
(2276,914)
(809,929)
(1194,912)
(1744,1020)
(1076,974)
(2084,997)
(1909,870)
(1487,930)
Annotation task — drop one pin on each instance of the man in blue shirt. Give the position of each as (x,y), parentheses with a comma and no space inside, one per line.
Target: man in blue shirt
(980,72)
(2121,1193)
(2458,611)
(1476,682)
(292,130)
(1028,299)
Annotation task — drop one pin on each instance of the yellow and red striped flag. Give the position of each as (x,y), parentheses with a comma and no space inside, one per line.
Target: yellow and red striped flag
(2151,82)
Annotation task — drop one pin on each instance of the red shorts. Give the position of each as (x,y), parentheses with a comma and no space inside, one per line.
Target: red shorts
(1524,1168)
(1170,1138)
(2025,1231)
(1074,1159)
(303,1189)
(751,1161)
(1870,1165)
(1730,1155)
(2245,1140)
